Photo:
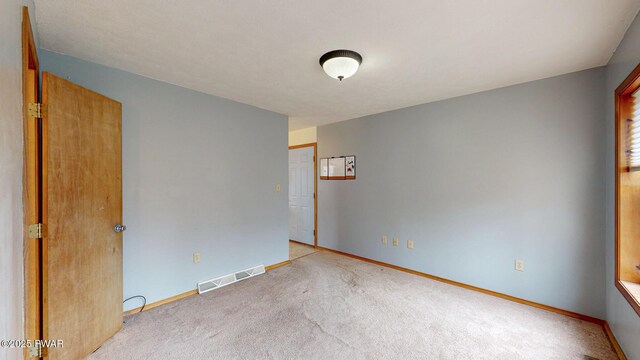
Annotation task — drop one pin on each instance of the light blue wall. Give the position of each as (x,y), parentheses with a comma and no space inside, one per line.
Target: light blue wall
(477,182)
(623,320)
(199,174)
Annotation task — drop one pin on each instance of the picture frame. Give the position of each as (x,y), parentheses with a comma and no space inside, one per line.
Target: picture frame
(338,168)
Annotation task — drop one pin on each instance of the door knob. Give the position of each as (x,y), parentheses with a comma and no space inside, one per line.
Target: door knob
(119,228)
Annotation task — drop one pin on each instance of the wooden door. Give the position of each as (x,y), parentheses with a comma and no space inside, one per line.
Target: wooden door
(301,195)
(82,202)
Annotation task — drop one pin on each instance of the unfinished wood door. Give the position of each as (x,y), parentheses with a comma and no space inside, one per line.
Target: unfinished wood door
(82,202)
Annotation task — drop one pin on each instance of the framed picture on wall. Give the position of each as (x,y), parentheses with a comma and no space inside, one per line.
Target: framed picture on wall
(338,168)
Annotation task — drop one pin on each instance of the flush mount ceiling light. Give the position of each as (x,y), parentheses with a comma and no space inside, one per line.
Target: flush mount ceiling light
(340,64)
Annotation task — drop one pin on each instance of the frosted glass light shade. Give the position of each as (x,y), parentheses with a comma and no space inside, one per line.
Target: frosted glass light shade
(340,64)
(340,67)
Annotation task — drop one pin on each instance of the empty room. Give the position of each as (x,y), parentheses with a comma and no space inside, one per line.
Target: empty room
(420,179)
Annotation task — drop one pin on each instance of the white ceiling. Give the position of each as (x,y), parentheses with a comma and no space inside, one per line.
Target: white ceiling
(265,52)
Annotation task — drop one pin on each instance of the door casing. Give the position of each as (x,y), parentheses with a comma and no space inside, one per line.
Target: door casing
(31,195)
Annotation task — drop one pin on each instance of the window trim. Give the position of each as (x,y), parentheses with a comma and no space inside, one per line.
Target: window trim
(622,97)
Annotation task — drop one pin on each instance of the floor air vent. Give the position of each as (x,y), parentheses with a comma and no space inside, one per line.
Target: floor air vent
(225,280)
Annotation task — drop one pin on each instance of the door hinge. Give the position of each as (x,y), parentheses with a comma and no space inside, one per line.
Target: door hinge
(37,350)
(37,231)
(314,233)
(36,110)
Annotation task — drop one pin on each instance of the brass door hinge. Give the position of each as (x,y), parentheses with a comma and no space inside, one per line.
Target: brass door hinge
(37,350)
(37,231)
(36,110)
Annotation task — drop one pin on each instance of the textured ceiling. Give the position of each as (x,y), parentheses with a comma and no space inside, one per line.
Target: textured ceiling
(265,53)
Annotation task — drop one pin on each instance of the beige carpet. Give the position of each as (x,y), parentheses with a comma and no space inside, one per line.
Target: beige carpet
(297,250)
(327,306)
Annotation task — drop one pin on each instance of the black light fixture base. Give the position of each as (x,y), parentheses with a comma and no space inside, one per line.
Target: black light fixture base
(340,53)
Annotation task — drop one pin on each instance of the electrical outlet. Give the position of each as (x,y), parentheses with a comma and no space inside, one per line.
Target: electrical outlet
(277,187)
(395,241)
(519,265)
(410,244)
(384,239)
(196,257)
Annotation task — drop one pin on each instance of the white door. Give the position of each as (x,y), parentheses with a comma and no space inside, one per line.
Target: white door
(301,187)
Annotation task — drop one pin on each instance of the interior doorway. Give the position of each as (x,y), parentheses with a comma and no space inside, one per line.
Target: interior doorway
(302,200)
(72,200)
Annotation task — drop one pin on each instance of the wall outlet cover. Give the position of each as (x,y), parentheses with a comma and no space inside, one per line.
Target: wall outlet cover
(410,244)
(384,239)
(519,265)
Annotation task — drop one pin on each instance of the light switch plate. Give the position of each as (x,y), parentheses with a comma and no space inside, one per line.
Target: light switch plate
(519,265)
(410,244)
(395,241)
(384,239)
(277,187)
(196,257)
